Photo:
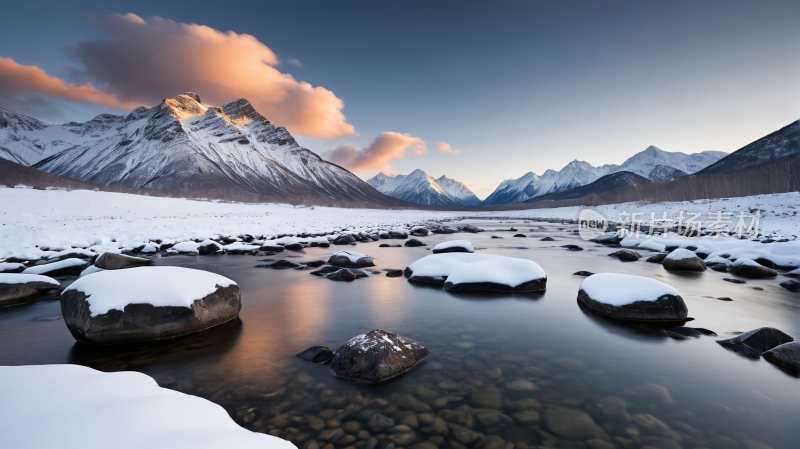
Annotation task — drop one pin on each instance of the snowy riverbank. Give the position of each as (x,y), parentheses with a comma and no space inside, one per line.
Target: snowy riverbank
(58,219)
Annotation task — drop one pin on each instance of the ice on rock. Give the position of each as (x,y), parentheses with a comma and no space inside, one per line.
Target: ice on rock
(466,271)
(631,297)
(454,246)
(121,410)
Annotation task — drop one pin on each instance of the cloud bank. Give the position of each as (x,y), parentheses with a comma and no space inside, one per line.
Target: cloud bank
(142,61)
(376,155)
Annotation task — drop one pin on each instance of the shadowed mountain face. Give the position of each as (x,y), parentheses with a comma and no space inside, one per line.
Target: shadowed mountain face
(418,187)
(782,143)
(608,182)
(184,146)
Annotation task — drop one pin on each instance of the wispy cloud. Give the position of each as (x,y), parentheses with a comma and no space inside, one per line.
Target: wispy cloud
(442,147)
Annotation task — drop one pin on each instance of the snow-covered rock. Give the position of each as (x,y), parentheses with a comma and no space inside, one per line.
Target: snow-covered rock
(96,410)
(20,288)
(147,303)
(478,272)
(454,246)
(628,297)
(376,356)
(751,269)
(90,270)
(72,253)
(113,261)
(61,268)
(683,260)
(9,267)
(351,259)
(186,247)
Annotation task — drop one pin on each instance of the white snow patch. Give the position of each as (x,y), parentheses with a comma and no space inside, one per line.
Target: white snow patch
(159,286)
(473,268)
(20,278)
(46,268)
(621,289)
(125,410)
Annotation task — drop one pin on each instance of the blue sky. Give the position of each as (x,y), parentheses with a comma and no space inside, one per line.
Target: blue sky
(516,86)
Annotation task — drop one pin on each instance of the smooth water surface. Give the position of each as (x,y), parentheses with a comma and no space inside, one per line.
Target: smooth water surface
(484,348)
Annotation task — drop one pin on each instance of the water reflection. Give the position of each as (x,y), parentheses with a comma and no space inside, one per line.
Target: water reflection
(519,356)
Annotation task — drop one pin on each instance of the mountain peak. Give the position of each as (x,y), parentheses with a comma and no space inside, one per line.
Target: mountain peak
(184,105)
(242,112)
(417,174)
(193,96)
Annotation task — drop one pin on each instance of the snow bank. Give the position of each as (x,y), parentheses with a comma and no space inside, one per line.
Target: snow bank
(622,289)
(680,254)
(92,409)
(66,263)
(91,269)
(20,278)
(163,286)
(81,251)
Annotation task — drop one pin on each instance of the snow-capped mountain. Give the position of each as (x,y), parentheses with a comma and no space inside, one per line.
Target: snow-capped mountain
(616,180)
(652,163)
(419,187)
(182,145)
(781,143)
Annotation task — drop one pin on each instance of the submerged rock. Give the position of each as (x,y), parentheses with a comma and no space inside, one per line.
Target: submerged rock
(572,424)
(626,255)
(734,280)
(548,239)
(786,355)
(316,354)
(351,259)
(754,343)
(683,260)
(342,275)
(147,303)
(414,242)
(572,247)
(376,356)
(657,258)
(751,269)
(314,263)
(628,297)
(683,332)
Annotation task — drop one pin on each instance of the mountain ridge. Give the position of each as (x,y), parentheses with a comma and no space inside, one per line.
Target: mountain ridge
(421,188)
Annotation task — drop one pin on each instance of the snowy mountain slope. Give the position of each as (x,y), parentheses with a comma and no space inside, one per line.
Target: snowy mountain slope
(185,145)
(661,174)
(612,181)
(419,187)
(781,143)
(580,173)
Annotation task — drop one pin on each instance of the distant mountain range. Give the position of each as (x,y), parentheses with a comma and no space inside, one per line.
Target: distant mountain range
(654,164)
(187,147)
(419,187)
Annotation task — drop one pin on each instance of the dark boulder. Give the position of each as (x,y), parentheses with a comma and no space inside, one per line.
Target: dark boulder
(271,248)
(548,239)
(572,247)
(520,235)
(657,258)
(324,244)
(683,260)
(792,285)
(280,265)
(397,234)
(376,356)
(317,355)
(394,273)
(786,355)
(314,263)
(734,280)
(582,273)
(471,228)
(421,232)
(344,239)
(721,267)
(111,261)
(750,269)
(341,275)
(724,298)
(18,288)
(139,320)
(754,343)
(414,242)
(496,237)
(350,259)
(626,255)
(293,246)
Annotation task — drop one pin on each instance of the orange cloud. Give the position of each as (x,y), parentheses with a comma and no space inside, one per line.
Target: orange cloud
(376,155)
(443,147)
(22,80)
